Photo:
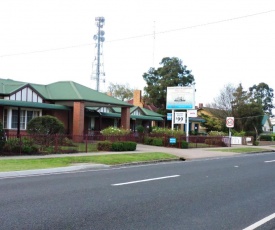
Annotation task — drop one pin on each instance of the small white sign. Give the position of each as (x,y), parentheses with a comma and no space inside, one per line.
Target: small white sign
(180,117)
(192,113)
(230,122)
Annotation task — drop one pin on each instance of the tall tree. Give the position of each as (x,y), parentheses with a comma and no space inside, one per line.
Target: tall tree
(171,73)
(120,91)
(223,102)
(247,112)
(264,95)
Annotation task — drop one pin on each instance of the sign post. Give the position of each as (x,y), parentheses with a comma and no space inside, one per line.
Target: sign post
(230,124)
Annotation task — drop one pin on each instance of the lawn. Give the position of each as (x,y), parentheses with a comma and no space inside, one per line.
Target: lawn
(241,150)
(112,159)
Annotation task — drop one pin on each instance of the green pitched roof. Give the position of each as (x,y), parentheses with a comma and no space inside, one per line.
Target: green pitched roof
(8,86)
(61,91)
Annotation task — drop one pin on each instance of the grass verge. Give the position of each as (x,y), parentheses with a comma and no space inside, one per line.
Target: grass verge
(113,159)
(241,150)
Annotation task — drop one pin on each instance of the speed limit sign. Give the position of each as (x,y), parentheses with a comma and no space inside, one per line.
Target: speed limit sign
(230,122)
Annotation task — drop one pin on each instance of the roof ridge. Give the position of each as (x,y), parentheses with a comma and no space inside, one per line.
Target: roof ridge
(75,89)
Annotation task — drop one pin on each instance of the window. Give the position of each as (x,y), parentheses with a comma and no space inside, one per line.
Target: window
(5,123)
(104,110)
(136,112)
(25,117)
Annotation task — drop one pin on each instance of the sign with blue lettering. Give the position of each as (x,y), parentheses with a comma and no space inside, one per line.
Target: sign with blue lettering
(169,116)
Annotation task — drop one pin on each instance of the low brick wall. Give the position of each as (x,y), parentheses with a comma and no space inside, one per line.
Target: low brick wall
(262,143)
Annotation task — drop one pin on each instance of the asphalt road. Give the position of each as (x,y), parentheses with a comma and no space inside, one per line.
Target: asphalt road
(224,193)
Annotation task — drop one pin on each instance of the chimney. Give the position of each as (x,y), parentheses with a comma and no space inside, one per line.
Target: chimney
(137,100)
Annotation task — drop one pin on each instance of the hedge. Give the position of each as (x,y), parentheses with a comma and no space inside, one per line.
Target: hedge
(116,146)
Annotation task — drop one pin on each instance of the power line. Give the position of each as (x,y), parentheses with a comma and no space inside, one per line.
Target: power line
(144,35)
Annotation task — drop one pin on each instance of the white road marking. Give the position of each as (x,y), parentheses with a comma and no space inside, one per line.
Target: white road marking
(260,222)
(146,180)
(269,161)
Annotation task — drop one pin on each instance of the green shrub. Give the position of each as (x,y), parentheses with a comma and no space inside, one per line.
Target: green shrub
(104,146)
(124,146)
(26,146)
(157,141)
(266,138)
(140,129)
(166,131)
(113,131)
(148,140)
(45,125)
(118,146)
(216,133)
(184,144)
(256,143)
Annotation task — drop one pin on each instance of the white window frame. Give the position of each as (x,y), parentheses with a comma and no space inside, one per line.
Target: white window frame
(23,124)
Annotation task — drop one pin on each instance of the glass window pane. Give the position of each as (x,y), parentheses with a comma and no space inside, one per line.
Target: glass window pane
(14,117)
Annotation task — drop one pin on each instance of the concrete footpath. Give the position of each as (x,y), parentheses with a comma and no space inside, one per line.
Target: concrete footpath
(187,154)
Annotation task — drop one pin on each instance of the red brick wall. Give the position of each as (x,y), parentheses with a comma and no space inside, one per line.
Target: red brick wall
(125,118)
(78,118)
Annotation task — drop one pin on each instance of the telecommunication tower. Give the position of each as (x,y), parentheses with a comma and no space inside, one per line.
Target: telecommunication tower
(98,73)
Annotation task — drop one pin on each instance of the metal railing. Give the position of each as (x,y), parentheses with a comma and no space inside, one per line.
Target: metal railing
(48,144)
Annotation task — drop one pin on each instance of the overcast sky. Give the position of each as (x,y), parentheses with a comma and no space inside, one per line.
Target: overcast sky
(221,41)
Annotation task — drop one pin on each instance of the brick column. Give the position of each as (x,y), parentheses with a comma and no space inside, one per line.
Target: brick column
(78,121)
(125,118)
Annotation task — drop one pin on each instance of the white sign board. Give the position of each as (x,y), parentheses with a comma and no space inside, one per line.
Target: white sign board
(192,113)
(230,122)
(180,98)
(180,117)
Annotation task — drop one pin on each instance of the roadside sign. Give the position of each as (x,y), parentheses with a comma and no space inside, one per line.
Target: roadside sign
(169,116)
(192,113)
(230,122)
(180,117)
(172,140)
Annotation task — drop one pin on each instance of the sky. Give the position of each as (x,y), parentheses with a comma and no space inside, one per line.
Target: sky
(221,41)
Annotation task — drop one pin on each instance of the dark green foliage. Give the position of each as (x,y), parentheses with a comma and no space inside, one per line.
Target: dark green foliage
(140,129)
(45,125)
(266,138)
(157,141)
(104,146)
(212,123)
(171,73)
(148,140)
(124,146)
(263,95)
(184,145)
(24,146)
(2,137)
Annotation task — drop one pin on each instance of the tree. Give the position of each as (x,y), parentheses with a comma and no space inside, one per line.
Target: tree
(171,73)
(121,92)
(248,113)
(263,95)
(212,123)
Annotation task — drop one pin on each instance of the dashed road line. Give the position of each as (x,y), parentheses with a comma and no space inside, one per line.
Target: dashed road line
(146,180)
(260,222)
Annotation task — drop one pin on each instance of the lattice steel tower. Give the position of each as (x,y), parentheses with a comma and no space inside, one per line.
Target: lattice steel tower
(98,73)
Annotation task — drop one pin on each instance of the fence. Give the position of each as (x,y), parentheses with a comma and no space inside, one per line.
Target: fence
(48,144)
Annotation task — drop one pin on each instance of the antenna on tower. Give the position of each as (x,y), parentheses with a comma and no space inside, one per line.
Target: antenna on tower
(154,38)
(98,73)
